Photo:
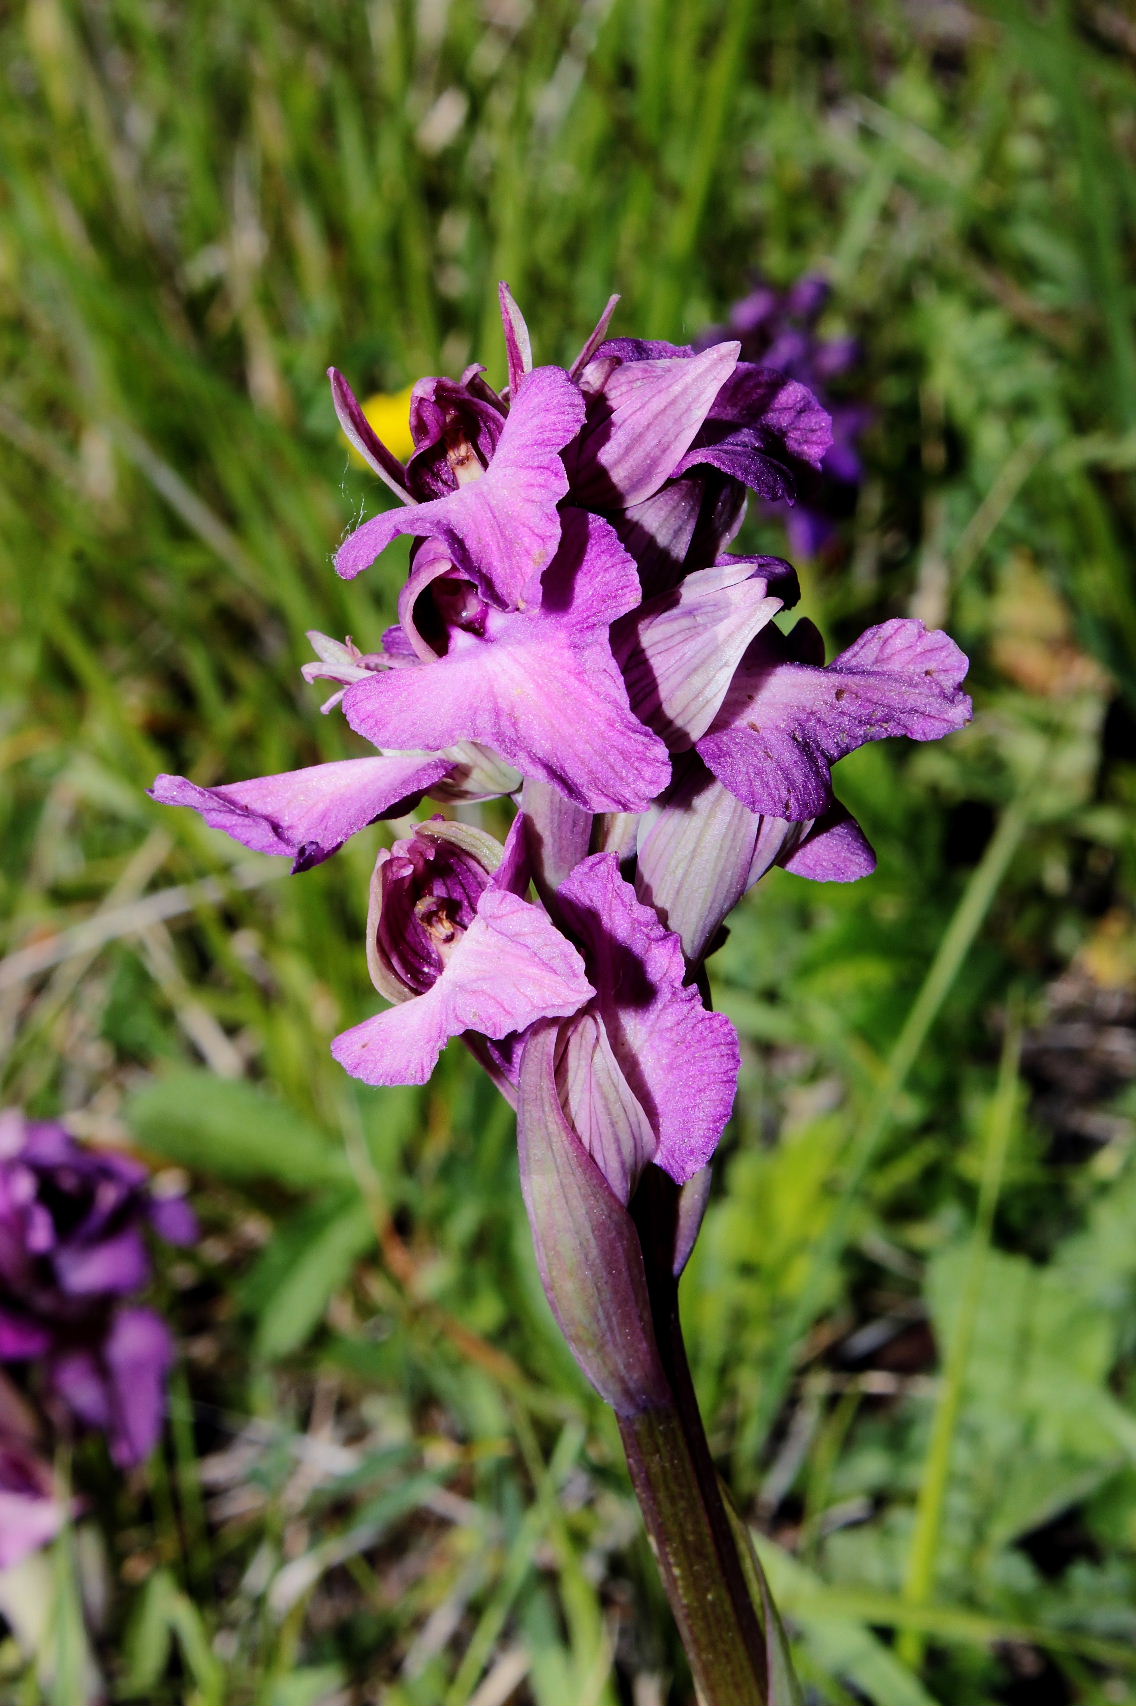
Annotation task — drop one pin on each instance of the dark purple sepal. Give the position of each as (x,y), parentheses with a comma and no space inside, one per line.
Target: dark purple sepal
(587,1248)
(518,344)
(760,425)
(359,432)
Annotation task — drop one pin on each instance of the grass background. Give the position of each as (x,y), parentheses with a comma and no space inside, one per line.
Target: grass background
(911,1311)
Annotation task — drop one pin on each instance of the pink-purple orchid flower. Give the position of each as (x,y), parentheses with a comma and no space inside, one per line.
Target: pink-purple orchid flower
(573,628)
(575,636)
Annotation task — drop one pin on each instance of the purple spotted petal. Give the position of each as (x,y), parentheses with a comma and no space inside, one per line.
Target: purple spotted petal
(680,1062)
(640,421)
(540,687)
(306,815)
(679,651)
(509,968)
(502,528)
(784,724)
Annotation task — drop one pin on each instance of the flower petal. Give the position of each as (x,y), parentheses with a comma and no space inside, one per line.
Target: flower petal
(511,967)
(680,1061)
(358,431)
(833,850)
(306,815)
(641,422)
(540,687)
(518,344)
(699,850)
(679,651)
(503,528)
(601,1106)
(121,1388)
(784,724)
(587,1247)
(760,424)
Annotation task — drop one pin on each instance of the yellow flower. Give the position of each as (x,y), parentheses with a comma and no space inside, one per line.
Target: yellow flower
(389,414)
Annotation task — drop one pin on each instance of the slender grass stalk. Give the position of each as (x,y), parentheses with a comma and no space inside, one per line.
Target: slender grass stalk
(956,943)
(920,1574)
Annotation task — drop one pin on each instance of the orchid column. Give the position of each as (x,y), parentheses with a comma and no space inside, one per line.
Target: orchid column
(574,637)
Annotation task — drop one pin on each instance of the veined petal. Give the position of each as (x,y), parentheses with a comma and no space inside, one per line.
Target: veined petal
(642,421)
(760,424)
(680,1062)
(511,967)
(679,651)
(600,1105)
(587,1247)
(784,724)
(699,850)
(541,687)
(307,815)
(503,528)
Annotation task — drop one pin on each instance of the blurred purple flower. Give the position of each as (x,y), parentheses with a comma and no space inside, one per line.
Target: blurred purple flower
(73,1224)
(778,329)
(32,1510)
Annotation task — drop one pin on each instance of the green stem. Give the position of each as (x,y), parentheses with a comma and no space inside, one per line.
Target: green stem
(677,1486)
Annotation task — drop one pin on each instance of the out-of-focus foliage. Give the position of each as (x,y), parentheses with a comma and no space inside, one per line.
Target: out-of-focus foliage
(911,1309)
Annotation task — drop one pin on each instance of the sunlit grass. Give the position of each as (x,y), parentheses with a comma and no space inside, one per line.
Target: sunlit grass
(385,1473)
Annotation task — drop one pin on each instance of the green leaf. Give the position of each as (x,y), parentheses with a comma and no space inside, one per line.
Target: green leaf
(233,1129)
(839,1643)
(783,1686)
(308,1687)
(148,1637)
(306,1264)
